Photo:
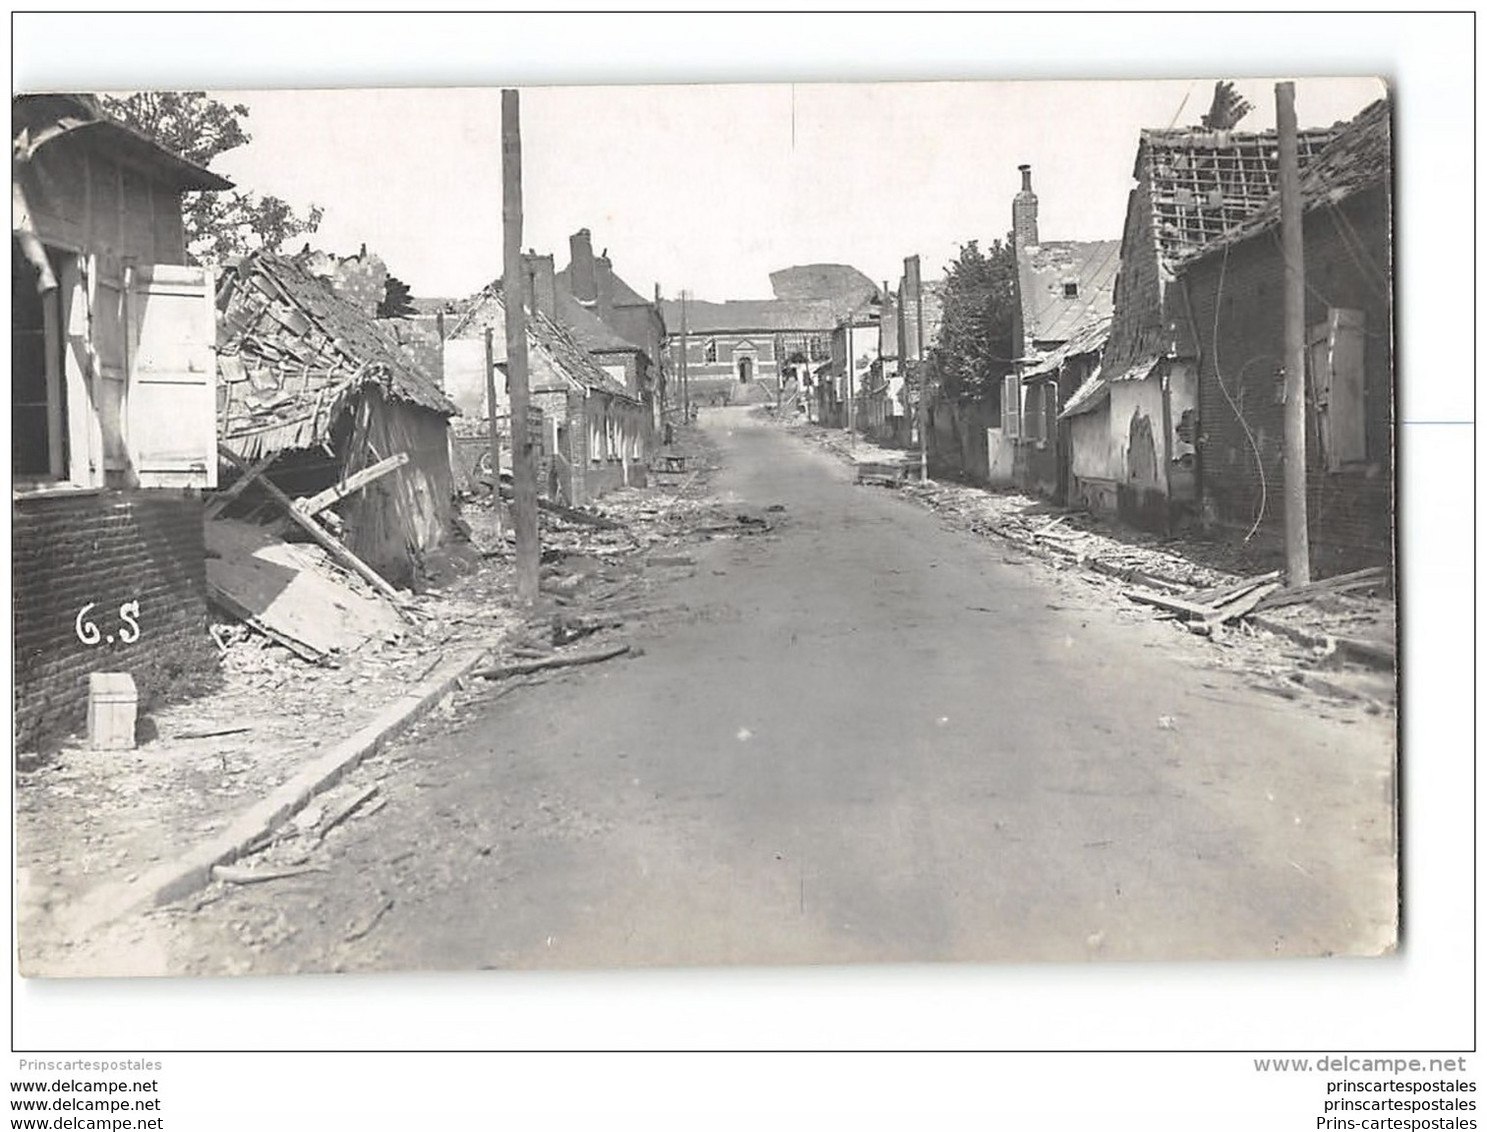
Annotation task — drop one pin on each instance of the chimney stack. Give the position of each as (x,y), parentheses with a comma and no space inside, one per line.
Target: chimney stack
(1025,212)
(581,280)
(541,280)
(604,286)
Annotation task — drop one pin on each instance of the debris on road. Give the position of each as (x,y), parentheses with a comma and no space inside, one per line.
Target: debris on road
(237,874)
(560,661)
(345,812)
(357,930)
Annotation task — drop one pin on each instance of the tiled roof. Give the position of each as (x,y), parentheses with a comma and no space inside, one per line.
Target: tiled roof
(1359,157)
(1204,182)
(575,362)
(1090,338)
(1088,397)
(811,315)
(584,323)
(1043,274)
(38,119)
(292,352)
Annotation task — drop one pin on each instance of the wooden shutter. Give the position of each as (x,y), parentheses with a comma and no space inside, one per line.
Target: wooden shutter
(1346,402)
(171,410)
(1336,349)
(1011,407)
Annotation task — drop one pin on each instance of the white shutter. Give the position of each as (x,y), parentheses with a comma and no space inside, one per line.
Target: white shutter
(1011,407)
(171,409)
(1346,411)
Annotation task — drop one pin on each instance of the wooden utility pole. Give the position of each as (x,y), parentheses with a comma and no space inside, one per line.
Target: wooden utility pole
(914,285)
(524,473)
(1298,549)
(491,406)
(686,385)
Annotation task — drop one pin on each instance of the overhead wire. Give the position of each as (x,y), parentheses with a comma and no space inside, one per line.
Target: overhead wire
(1218,306)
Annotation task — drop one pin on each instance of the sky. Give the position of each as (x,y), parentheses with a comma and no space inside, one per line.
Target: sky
(709,188)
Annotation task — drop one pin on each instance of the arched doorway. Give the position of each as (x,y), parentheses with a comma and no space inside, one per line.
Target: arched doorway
(745,369)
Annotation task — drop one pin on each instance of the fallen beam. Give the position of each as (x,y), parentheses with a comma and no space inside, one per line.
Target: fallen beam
(1342,583)
(503,671)
(334,546)
(351,484)
(1171,604)
(1217,595)
(220,502)
(1244,604)
(573,515)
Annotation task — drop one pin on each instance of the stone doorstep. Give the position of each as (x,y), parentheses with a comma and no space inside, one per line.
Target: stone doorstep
(192,870)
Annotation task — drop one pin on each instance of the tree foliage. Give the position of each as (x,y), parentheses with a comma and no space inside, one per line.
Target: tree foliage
(975,348)
(219,225)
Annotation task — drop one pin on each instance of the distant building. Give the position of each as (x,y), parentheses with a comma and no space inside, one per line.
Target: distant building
(1065,292)
(759,349)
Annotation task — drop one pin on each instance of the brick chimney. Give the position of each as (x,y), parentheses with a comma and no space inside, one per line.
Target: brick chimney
(604,279)
(1025,212)
(542,287)
(581,280)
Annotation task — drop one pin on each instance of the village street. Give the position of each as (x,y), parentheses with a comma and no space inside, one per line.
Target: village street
(859,737)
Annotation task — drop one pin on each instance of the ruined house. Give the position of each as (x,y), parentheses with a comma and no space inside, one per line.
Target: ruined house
(636,338)
(1135,456)
(1064,295)
(314,392)
(113,385)
(1234,284)
(593,434)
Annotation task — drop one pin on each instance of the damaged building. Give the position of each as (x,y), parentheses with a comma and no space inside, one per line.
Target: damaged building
(113,434)
(314,393)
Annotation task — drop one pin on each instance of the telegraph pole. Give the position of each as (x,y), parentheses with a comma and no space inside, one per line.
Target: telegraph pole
(490,404)
(1298,549)
(686,384)
(914,284)
(524,473)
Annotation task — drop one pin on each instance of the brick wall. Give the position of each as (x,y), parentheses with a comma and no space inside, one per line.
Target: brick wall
(1350,511)
(106,548)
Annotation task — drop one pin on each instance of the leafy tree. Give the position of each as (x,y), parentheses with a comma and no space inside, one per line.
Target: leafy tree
(219,225)
(397,301)
(975,348)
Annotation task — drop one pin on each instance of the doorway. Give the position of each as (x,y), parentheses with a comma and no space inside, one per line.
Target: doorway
(745,369)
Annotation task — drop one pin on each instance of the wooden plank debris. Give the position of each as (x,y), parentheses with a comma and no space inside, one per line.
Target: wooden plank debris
(220,597)
(333,545)
(1243,604)
(239,874)
(351,484)
(291,593)
(503,671)
(1342,583)
(220,502)
(345,812)
(1217,595)
(1169,603)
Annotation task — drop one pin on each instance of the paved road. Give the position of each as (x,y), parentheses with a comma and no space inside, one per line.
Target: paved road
(873,739)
